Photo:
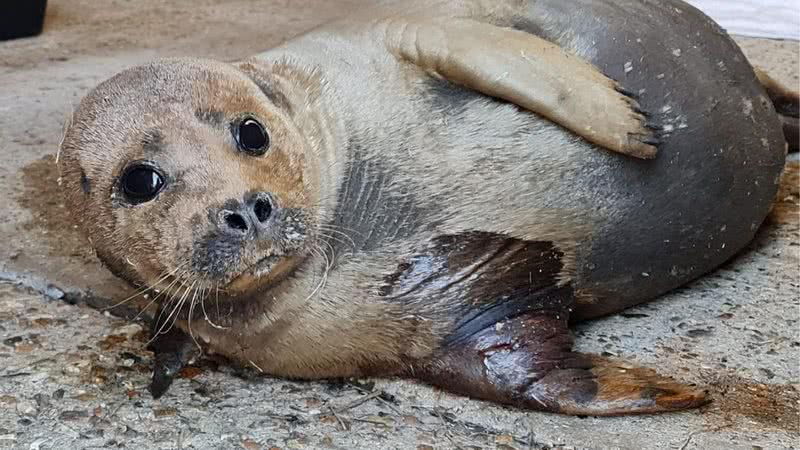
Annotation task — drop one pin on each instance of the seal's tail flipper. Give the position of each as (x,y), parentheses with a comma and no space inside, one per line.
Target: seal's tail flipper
(787,104)
(528,362)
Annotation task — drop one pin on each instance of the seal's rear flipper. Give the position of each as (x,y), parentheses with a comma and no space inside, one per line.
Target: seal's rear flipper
(527,362)
(787,104)
(529,71)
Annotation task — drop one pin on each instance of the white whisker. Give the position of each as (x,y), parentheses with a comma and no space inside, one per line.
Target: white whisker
(174,314)
(205,314)
(144,290)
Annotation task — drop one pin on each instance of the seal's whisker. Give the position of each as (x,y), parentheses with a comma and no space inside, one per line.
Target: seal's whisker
(317,252)
(205,314)
(317,288)
(324,231)
(328,259)
(173,316)
(144,289)
(164,307)
(192,304)
(216,300)
(171,298)
(330,226)
(163,292)
(324,279)
(332,258)
(153,301)
(333,238)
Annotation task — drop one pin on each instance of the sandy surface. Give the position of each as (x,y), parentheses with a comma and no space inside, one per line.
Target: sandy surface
(74,377)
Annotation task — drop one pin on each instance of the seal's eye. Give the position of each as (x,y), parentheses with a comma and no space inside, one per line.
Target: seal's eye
(141,183)
(251,137)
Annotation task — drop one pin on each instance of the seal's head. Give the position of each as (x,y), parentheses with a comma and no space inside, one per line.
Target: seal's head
(190,170)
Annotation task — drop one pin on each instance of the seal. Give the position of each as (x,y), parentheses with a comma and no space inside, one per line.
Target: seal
(432,190)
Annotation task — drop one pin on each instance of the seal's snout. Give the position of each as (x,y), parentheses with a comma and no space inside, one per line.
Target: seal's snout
(248,218)
(250,235)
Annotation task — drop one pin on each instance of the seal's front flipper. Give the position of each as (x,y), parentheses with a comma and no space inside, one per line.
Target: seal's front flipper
(529,71)
(527,362)
(173,350)
(787,104)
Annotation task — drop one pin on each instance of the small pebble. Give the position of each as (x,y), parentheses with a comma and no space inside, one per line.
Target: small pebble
(165,412)
(27,408)
(698,332)
(410,420)
(768,373)
(250,444)
(13,341)
(84,397)
(504,439)
(130,329)
(73,415)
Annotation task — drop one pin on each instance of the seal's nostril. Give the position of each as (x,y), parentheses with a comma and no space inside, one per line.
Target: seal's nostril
(236,222)
(262,209)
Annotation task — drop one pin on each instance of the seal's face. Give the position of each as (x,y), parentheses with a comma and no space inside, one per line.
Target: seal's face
(186,171)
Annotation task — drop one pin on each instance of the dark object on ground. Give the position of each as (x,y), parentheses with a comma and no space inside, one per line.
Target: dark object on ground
(173,350)
(21,18)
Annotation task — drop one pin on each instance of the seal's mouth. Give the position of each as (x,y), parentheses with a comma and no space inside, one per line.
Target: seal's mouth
(263,266)
(266,272)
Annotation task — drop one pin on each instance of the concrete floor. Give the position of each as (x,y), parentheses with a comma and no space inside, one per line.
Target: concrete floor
(74,377)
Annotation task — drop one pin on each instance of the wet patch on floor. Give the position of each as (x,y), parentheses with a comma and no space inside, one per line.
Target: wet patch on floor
(41,195)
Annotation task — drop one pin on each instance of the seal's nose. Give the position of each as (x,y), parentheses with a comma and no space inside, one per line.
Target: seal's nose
(259,206)
(234,222)
(245,219)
